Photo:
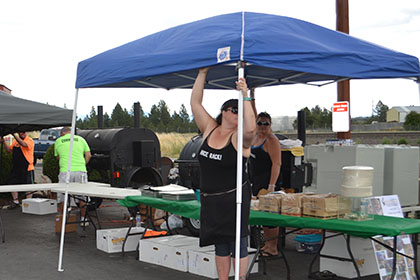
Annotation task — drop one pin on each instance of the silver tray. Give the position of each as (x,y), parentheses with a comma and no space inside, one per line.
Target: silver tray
(150,193)
(181,197)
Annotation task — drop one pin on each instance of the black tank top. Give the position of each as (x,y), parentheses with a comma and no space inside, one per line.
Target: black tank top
(19,161)
(260,161)
(259,168)
(218,167)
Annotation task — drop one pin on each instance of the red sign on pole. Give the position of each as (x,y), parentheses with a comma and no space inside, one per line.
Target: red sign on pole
(341,117)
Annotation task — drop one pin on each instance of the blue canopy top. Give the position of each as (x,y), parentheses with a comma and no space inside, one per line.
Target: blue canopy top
(276,50)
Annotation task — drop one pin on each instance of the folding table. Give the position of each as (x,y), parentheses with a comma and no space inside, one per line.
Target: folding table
(380,225)
(93,189)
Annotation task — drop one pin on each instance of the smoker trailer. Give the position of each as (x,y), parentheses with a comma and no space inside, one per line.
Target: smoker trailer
(125,157)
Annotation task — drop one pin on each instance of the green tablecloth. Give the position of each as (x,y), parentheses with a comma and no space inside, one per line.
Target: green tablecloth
(380,225)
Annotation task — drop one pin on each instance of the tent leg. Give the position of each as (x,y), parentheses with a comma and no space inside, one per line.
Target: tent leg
(418,83)
(239,174)
(1,158)
(66,195)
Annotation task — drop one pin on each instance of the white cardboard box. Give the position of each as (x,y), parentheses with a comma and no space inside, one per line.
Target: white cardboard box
(39,206)
(168,251)
(202,261)
(362,251)
(111,240)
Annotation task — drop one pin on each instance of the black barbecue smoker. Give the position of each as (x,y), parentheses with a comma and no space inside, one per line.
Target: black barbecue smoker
(125,157)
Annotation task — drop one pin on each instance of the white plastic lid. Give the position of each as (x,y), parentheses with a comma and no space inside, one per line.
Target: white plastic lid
(357,167)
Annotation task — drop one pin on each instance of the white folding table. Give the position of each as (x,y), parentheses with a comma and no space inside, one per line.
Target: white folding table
(93,189)
(96,190)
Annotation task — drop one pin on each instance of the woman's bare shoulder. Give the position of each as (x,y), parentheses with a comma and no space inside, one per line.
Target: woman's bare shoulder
(210,127)
(272,140)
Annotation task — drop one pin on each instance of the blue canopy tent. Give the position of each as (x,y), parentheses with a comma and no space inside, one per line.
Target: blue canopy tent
(272,50)
(276,50)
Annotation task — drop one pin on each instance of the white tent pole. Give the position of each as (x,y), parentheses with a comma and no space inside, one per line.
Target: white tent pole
(239,175)
(66,194)
(239,160)
(418,83)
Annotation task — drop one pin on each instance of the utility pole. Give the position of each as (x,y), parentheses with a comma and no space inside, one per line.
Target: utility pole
(343,88)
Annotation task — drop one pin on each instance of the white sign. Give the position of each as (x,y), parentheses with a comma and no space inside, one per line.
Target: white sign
(341,117)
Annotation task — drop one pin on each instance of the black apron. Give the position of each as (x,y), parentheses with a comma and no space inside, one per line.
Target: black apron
(218,195)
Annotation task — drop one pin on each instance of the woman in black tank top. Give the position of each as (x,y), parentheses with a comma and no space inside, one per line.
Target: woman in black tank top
(218,162)
(264,168)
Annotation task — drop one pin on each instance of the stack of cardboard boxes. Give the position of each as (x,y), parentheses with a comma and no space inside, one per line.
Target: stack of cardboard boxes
(183,253)
(322,206)
(271,202)
(292,204)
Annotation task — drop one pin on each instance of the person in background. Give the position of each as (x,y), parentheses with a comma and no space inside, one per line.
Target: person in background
(218,162)
(264,169)
(22,150)
(78,173)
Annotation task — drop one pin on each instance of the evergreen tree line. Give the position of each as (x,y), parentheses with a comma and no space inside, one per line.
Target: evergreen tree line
(316,118)
(158,120)
(322,118)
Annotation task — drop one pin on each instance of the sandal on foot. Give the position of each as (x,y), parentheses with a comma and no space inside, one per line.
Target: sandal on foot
(267,254)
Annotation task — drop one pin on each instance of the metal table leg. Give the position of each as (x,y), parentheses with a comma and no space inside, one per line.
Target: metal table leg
(394,260)
(257,237)
(254,259)
(2,232)
(414,241)
(318,254)
(286,263)
(89,218)
(347,237)
(133,213)
(348,247)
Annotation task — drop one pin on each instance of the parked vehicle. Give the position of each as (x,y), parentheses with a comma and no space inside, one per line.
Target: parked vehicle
(46,138)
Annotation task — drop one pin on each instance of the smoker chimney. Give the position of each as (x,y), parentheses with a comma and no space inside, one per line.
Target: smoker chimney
(137,114)
(301,126)
(100,116)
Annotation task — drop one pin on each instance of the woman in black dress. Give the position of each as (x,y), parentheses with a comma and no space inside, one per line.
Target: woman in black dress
(218,162)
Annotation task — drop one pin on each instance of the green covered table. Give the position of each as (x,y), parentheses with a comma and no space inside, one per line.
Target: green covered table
(380,225)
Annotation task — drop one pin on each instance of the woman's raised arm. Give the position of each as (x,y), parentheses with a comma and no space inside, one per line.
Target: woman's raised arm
(201,116)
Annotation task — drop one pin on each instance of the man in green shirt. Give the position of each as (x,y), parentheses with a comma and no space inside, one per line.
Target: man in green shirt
(80,157)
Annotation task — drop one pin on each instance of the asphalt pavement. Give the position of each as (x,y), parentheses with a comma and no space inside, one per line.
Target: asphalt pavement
(31,251)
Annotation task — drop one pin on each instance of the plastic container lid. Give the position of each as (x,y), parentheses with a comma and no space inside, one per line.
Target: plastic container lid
(308,238)
(357,167)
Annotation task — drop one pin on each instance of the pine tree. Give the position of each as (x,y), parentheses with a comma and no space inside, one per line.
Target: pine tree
(120,117)
(379,113)
(165,116)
